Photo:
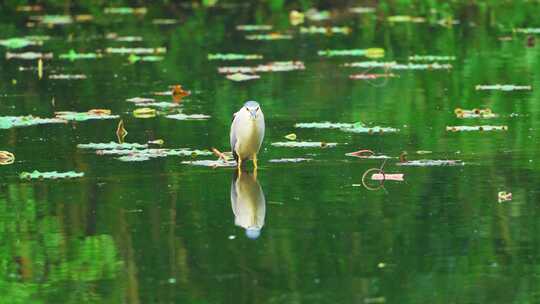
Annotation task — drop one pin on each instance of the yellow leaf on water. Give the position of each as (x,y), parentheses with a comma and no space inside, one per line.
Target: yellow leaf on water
(291,136)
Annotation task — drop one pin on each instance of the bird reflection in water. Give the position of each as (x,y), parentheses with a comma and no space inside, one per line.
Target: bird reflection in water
(248,203)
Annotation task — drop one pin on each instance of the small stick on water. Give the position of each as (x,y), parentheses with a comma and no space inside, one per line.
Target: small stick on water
(219,154)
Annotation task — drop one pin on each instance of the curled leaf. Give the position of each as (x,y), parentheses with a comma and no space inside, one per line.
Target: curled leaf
(6,158)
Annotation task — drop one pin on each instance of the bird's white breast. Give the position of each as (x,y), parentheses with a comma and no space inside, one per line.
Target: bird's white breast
(249,134)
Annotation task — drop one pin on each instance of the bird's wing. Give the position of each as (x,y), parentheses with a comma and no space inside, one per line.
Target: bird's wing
(233,133)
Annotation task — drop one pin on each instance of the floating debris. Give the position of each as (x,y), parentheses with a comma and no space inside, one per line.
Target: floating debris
(121,131)
(136,51)
(8,122)
(242,77)
(362,10)
(157,142)
(72,55)
(181,116)
(112,146)
(406,19)
(18,43)
(476,128)
(316,15)
(504,196)
(220,163)
(276,66)
(371,76)
(67,76)
(6,158)
(387,176)
(366,154)
(125,10)
(141,100)
(83,116)
(178,92)
(430,163)
(345,30)
(29,55)
(135,58)
(40,68)
(291,136)
(304,144)
(161,105)
(431,58)
(474,113)
(290,160)
(528,30)
(29,8)
(50,175)
(370,64)
(115,37)
(296,17)
(270,36)
(503,87)
(323,125)
(253,27)
(370,53)
(52,20)
(233,56)
(413,66)
(163,21)
(361,128)
(144,113)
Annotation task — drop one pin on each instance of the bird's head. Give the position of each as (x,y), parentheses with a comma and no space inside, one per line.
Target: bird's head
(253,108)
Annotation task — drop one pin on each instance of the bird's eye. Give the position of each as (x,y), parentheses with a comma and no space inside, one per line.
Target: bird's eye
(257,109)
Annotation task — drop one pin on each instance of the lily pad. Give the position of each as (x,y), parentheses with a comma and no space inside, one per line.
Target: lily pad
(367,154)
(144,113)
(67,76)
(141,100)
(53,19)
(211,163)
(164,21)
(359,128)
(50,175)
(18,43)
(126,10)
(344,30)
(323,125)
(503,87)
(233,56)
(528,30)
(136,51)
(253,27)
(72,55)
(304,144)
(83,116)
(290,160)
(242,77)
(406,19)
(135,58)
(112,146)
(426,66)
(362,10)
(8,122)
(476,128)
(181,116)
(370,53)
(146,154)
(115,37)
(371,76)
(370,64)
(431,163)
(29,55)
(6,158)
(431,58)
(271,36)
(276,66)
(475,113)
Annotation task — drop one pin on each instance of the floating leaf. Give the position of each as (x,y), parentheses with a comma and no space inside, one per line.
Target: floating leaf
(430,163)
(7,122)
(372,52)
(431,58)
(72,55)
(370,64)
(112,146)
(242,77)
(6,158)
(276,66)
(304,144)
(406,19)
(144,113)
(503,87)
(121,132)
(347,127)
(67,76)
(387,176)
(345,30)
(366,154)
(83,116)
(291,136)
(137,51)
(254,27)
(158,142)
(528,30)
(18,43)
(290,160)
(323,125)
(359,128)
(211,163)
(476,128)
(146,154)
(178,92)
(163,21)
(141,100)
(316,15)
(29,8)
(126,10)
(296,17)
(362,10)
(504,196)
(372,76)
(232,56)
(28,55)
(181,116)
(115,37)
(475,113)
(135,58)
(271,36)
(50,175)
(162,105)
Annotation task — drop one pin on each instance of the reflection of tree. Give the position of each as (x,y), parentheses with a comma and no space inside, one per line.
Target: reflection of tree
(39,261)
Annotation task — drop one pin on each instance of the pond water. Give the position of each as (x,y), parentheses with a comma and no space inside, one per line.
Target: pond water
(163,231)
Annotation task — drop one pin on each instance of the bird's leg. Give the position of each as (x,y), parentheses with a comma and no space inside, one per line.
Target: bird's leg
(255,161)
(239,166)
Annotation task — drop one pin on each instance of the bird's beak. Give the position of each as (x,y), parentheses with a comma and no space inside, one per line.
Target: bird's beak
(253,113)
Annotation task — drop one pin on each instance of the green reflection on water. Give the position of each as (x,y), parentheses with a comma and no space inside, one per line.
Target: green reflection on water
(159,231)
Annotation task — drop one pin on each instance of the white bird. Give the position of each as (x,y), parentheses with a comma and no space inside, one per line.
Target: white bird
(247,133)
(248,203)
